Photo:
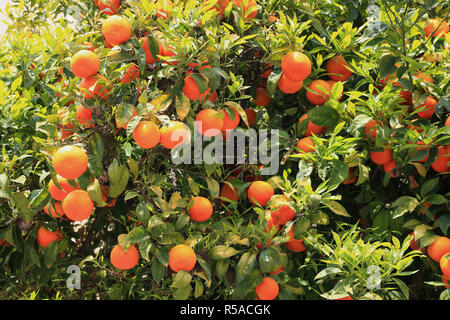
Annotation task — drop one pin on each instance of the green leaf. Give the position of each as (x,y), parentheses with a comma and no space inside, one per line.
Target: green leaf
(50,253)
(124,112)
(144,249)
(387,65)
(122,239)
(320,218)
(137,235)
(41,199)
(444,222)
(222,252)
(213,187)
(445,295)
(222,267)
(336,207)
(245,265)
(96,153)
(323,116)
(198,291)
(182,293)
(142,213)
(272,82)
(95,193)
(301,226)
(21,203)
(428,186)
(404,204)
(182,106)
(435,199)
(403,287)
(182,279)
(118,176)
(158,270)
(326,272)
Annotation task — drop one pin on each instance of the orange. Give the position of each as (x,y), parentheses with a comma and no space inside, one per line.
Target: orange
(70,162)
(182,257)
(150,59)
(116,30)
(430,104)
(267,70)
(57,193)
(56,211)
(389,167)
(132,73)
(370,129)
(124,260)
(438,248)
(108,7)
(414,244)
(229,193)
(174,134)
(209,122)
(424,77)
(200,209)
(251,116)
(306,145)
(296,66)
(280,269)
(84,63)
(229,124)
(146,134)
(66,130)
(95,86)
(447,122)
(271,224)
(169,51)
(268,289)
(249,11)
(351,178)
(220,8)
(436,28)
(281,212)
(337,68)
(293,244)
(318,96)
(259,192)
(445,264)
(381,157)
(262,97)
(345,298)
(208,94)
(78,206)
(84,116)
(312,128)
(45,237)
(446,280)
(288,86)
(191,89)
(442,162)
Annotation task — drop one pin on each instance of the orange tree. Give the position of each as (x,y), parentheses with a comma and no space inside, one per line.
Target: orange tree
(97,95)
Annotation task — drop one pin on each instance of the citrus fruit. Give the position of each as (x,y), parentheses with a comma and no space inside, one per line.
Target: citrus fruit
(381,157)
(289,86)
(318,96)
(259,192)
(306,145)
(116,30)
(45,237)
(146,134)
(78,205)
(84,63)
(174,134)
(124,260)
(70,162)
(438,248)
(268,289)
(209,122)
(182,257)
(200,209)
(337,68)
(57,193)
(296,66)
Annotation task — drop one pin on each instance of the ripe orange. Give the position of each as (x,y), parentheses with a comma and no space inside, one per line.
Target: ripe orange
(370,129)
(424,77)
(351,178)
(318,96)
(281,212)
(442,162)
(200,209)
(57,193)
(174,134)
(293,244)
(251,116)
(84,63)
(345,298)
(84,116)
(146,134)
(108,7)
(389,167)
(78,206)
(438,248)
(430,104)
(446,280)
(220,8)
(229,124)
(66,130)
(95,86)
(150,59)
(445,264)
(259,192)
(337,67)
(268,289)
(209,122)
(306,145)
(249,11)
(191,89)
(312,128)
(381,157)
(296,66)
(132,73)
(124,260)
(262,97)
(70,162)
(229,193)
(209,94)
(55,211)
(182,257)
(116,30)
(447,122)
(267,70)
(435,24)
(45,237)
(288,86)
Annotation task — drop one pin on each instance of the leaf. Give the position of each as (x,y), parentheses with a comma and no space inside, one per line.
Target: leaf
(272,82)
(95,193)
(50,253)
(435,199)
(213,187)
(420,169)
(124,113)
(142,213)
(326,272)
(144,249)
(444,222)
(161,102)
(118,176)
(182,293)
(404,204)
(41,199)
(198,291)
(301,226)
(21,203)
(137,235)
(222,267)
(158,270)
(428,186)
(222,252)
(122,239)
(182,279)
(387,65)
(320,218)
(336,207)
(323,116)
(245,265)
(182,106)
(95,154)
